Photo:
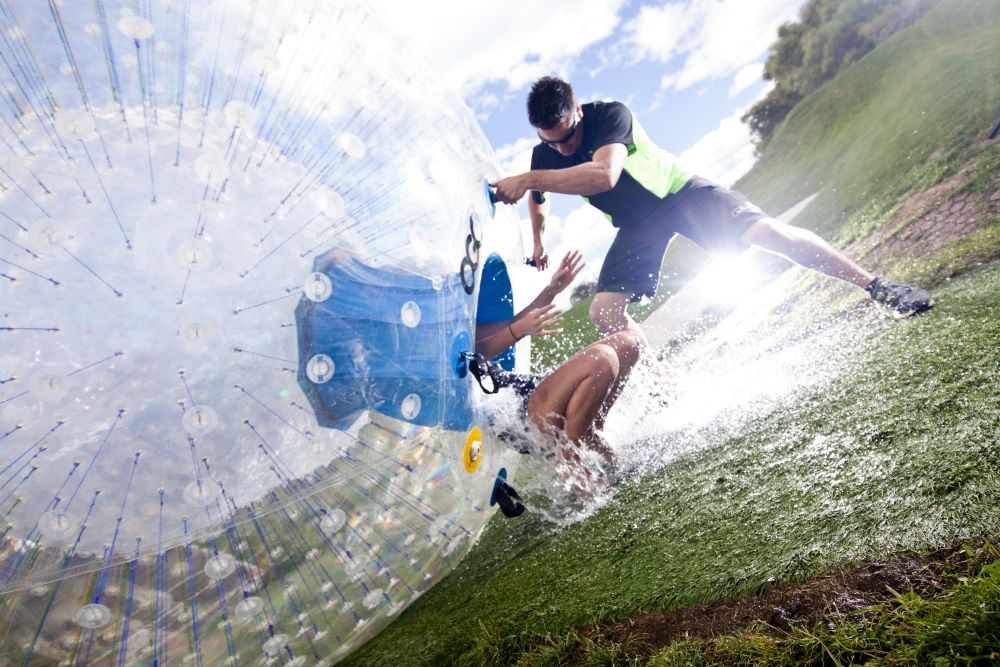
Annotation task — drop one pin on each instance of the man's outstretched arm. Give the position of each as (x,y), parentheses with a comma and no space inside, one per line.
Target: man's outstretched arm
(589,178)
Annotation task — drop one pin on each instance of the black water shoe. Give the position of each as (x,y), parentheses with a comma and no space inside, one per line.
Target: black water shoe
(905,299)
(509,500)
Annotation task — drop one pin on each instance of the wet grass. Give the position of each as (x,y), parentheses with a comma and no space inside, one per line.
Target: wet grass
(899,450)
(955,621)
(889,441)
(957,624)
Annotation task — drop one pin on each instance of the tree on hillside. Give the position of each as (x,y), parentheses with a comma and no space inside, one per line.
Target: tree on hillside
(830,36)
(582,291)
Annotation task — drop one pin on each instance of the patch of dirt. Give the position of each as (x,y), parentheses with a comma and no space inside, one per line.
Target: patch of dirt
(929,220)
(825,599)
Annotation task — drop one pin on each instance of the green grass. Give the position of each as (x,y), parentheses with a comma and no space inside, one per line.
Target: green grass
(957,621)
(898,451)
(908,114)
(893,446)
(930,88)
(957,625)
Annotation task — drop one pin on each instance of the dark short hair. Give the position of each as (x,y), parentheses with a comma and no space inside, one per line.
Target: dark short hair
(549,102)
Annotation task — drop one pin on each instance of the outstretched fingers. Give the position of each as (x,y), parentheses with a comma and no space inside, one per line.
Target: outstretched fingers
(540,321)
(573,261)
(567,270)
(550,320)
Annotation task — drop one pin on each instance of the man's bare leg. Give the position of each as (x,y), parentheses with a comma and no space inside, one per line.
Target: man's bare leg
(607,312)
(811,251)
(807,249)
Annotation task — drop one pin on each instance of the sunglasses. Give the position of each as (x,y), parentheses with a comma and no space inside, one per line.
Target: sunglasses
(564,138)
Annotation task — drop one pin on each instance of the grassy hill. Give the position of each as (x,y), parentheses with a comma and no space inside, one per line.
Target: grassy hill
(885,438)
(909,114)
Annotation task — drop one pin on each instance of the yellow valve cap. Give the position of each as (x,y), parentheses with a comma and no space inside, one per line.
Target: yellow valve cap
(473,452)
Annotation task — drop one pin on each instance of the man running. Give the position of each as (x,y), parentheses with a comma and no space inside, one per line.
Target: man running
(599,150)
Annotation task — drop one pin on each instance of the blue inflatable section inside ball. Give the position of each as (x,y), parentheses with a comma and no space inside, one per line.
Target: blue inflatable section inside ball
(496,302)
(390,337)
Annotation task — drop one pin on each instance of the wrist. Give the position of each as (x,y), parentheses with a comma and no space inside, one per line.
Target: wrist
(513,334)
(528,180)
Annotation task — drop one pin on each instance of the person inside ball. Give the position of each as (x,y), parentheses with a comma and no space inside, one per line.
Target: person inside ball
(570,403)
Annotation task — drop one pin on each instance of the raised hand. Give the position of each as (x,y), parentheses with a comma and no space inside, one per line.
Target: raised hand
(543,321)
(568,269)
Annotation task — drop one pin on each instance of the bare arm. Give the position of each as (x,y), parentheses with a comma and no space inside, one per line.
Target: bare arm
(538,318)
(590,178)
(538,212)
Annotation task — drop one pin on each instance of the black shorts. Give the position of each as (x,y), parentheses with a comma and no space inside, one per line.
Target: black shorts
(710,215)
(522,385)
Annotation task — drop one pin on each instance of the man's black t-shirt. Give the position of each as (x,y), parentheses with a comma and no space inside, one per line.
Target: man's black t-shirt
(649,176)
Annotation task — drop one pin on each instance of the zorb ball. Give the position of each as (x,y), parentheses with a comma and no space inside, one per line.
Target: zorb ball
(239,254)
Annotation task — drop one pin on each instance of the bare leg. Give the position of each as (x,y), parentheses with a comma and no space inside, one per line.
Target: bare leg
(627,345)
(807,249)
(607,312)
(571,396)
(579,393)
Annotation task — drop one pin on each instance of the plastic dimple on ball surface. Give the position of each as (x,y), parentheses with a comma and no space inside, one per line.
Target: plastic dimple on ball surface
(231,418)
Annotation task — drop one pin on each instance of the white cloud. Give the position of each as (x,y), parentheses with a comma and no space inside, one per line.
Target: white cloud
(485,102)
(724,154)
(745,78)
(515,158)
(584,229)
(472,44)
(658,33)
(668,80)
(715,38)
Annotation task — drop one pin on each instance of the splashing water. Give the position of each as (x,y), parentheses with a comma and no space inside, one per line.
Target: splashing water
(700,391)
(750,365)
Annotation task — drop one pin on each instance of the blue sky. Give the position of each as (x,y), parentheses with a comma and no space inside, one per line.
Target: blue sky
(687,68)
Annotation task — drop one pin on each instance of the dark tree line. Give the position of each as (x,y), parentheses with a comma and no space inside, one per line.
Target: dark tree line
(829,36)
(582,291)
